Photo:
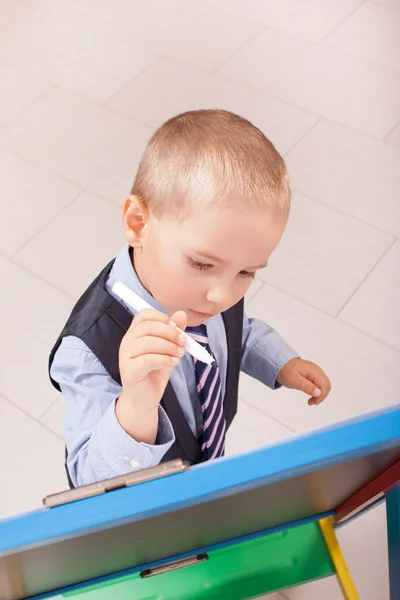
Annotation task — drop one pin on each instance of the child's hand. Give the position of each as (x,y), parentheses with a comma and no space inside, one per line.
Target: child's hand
(303,375)
(149,351)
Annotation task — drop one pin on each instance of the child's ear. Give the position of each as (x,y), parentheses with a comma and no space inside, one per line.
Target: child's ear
(135,216)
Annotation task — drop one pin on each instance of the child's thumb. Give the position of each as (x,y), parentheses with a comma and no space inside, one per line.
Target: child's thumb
(180,318)
(307,386)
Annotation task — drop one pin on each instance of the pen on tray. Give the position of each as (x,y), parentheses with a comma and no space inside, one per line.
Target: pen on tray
(137,303)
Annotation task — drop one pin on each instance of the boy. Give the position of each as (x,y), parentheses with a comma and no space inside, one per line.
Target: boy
(208,206)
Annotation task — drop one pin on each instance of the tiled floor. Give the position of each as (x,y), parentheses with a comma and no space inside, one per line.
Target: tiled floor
(82,86)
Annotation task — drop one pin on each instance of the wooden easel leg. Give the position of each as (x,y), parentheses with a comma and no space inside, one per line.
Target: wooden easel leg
(342,572)
(393,532)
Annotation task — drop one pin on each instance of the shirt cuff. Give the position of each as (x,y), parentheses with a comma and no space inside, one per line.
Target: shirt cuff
(264,365)
(121,452)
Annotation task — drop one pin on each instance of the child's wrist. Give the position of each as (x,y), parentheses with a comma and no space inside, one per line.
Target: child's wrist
(138,418)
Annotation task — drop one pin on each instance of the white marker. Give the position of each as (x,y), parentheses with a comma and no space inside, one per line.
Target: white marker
(137,304)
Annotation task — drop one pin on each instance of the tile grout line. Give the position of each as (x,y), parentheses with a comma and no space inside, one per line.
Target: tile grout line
(263,284)
(141,72)
(343,213)
(42,279)
(242,47)
(80,25)
(58,175)
(325,314)
(385,139)
(303,136)
(381,5)
(374,266)
(318,43)
(27,9)
(46,225)
(301,108)
(350,14)
(214,71)
(361,59)
(105,105)
(267,415)
(29,415)
(47,409)
(6,148)
(370,336)
(20,113)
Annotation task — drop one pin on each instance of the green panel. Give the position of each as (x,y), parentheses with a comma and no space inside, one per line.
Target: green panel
(236,572)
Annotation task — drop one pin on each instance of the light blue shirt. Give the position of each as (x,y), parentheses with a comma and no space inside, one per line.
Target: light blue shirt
(98,447)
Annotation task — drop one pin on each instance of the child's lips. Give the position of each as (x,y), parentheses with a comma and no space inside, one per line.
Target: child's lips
(203,315)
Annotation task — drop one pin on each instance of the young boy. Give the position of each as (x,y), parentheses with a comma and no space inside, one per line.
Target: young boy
(208,206)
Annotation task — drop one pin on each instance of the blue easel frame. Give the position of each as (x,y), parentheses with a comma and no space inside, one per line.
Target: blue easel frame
(286,459)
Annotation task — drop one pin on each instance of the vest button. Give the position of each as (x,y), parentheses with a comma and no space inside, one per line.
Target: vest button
(135,463)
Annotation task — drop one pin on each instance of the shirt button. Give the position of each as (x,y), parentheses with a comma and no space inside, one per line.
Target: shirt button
(135,463)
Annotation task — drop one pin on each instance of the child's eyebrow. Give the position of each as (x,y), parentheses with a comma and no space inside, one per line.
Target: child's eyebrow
(213,258)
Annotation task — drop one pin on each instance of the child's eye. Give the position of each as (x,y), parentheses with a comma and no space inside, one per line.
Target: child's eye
(199,265)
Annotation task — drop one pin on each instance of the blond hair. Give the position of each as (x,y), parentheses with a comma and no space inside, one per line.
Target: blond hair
(206,158)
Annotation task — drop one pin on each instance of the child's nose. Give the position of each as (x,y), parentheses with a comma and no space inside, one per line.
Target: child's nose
(219,296)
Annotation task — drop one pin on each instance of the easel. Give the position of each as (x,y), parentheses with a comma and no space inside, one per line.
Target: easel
(235,528)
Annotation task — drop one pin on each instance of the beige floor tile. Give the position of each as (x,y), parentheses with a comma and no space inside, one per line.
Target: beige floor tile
(363,543)
(11,10)
(277,596)
(351,172)
(327,588)
(365,373)
(254,289)
(394,136)
(309,19)
(53,417)
(72,56)
(76,256)
(167,88)
(30,197)
(319,79)
(324,255)
(32,316)
(34,464)
(394,4)
(253,428)
(81,141)
(18,90)
(371,33)
(198,35)
(374,308)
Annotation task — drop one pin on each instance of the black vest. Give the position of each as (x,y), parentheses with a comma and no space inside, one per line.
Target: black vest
(101,322)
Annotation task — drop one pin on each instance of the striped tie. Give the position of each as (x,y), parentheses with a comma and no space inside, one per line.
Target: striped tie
(209,390)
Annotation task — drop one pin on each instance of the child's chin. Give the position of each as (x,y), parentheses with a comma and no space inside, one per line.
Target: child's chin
(195,319)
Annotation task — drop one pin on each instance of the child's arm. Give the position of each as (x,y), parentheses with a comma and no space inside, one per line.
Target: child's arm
(149,351)
(266,356)
(98,447)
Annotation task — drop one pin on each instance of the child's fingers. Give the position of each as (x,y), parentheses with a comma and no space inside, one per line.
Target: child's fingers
(180,318)
(322,383)
(153,345)
(157,329)
(143,365)
(148,314)
(303,384)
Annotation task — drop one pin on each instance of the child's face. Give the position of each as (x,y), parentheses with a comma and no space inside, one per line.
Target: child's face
(205,264)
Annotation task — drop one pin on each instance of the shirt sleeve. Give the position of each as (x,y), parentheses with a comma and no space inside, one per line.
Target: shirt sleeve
(264,352)
(98,447)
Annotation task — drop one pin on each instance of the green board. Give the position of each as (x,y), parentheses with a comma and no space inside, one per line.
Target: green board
(236,572)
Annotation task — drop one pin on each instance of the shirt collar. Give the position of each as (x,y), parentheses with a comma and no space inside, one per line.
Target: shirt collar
(123,271)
